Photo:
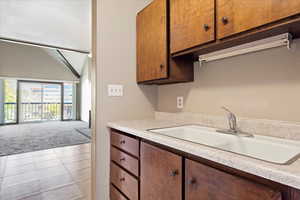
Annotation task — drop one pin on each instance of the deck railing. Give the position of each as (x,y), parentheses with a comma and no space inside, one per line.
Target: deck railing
(36,111)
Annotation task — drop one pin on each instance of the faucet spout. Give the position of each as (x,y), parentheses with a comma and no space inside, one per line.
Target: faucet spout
(232,122)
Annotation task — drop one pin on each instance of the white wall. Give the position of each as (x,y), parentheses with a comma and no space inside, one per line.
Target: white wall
(263,85)
(65,23)
(116,57)
(20,61)
(86,90)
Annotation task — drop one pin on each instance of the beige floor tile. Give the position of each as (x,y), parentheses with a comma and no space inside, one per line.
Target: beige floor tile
(19,179)
(81,175)
(48,164)
(2,165)
(55,182)
(18,162)
(78,165)
(70,192)
(34,197)
(12,171)
(52,171)
(20,191)
(20,156)
(48,157)
(55,174)
(68,159)
(85,188)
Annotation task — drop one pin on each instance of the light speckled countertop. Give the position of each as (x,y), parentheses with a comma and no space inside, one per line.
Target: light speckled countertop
(284,174)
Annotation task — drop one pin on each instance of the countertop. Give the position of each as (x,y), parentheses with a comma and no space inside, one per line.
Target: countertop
(285,174)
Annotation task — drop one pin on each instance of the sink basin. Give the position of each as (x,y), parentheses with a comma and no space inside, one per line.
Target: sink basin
(270,149)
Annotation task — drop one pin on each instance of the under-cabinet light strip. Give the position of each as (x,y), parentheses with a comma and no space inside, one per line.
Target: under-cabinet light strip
(272,42)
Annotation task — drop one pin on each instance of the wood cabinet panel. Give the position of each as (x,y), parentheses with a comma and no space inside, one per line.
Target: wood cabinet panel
(152,46)
(129,163)
(192,23)
(125,143)
(206,183)
(161,174)
(115,194)
(235,16)
(124,182)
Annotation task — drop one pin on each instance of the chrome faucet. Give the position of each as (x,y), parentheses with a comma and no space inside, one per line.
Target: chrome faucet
(232,122)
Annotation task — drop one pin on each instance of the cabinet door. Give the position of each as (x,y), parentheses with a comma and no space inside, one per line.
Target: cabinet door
(235,16)
(206,183)
(161,174)
(192,23)
(152,42)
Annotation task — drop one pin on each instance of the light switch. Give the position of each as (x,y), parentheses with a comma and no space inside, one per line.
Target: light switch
(179,102)
(115,90)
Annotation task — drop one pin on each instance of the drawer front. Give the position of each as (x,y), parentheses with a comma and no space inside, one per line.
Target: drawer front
(125,143)
(128,162)
(206,183)
(124,182)
(115,194)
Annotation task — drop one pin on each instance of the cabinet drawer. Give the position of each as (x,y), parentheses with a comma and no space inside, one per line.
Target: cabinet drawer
(125,143)
(128,162)
(124,182)
(205,183)
(115,194)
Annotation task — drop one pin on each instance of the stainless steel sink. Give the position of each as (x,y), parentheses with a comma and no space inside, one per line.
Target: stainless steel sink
(270,149)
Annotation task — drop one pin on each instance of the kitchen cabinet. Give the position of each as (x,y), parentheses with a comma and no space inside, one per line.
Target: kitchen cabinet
(236,16)
(205,183)
(192,23)
(154,63)
(124,166)
(161,174)
(152,51)
(157,173)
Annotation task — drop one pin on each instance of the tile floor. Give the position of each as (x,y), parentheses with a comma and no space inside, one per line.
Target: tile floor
(54,174)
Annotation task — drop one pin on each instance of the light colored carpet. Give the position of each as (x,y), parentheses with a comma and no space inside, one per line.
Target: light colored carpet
(29,137)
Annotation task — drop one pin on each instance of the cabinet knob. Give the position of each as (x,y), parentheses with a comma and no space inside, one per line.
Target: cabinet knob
(225,20)
(122,179)
(206,27)
(192,181)
(122,142)
(122,159)
(161,67)
(174,173)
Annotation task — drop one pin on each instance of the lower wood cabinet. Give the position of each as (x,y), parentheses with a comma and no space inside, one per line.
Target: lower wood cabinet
(115,194)
(142,171)
(206,183)
(161,174)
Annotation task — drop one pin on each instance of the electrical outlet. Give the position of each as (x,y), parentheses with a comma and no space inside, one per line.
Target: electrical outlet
(115,90)
(179,102)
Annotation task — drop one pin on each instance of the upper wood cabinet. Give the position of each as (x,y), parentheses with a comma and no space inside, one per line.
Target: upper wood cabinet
(154,62)
(192,23)
(235,16)
(161,174)
(206,183)
(152,47)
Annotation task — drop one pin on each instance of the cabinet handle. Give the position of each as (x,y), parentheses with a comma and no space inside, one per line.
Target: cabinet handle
(161,67)
(122,179)
(122,159)
(122,142)
(192,181)
(174,173)
(225,20)
(206,27)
